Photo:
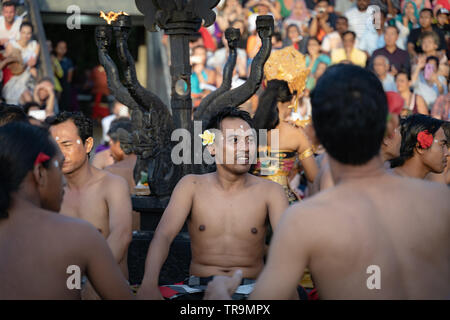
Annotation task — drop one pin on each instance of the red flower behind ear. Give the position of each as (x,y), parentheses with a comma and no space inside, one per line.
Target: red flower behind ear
(425,139)
(42,157)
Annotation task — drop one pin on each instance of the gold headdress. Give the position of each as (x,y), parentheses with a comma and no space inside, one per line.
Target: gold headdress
(288,65)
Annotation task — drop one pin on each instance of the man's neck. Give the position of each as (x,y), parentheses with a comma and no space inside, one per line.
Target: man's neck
(78,178)
(429,28)
(346,173)
(8,25)
(414,168)
(230,181)
(391,49)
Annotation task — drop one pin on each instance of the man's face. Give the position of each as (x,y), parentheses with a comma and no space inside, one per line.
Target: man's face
(362,4)
(390,36)
(436,156)
(116,151)
(52,194)
(9,12)
(425,19)
(380,67)
(341,25)
(348,41)
(237,150)
(394,143)
(73,148)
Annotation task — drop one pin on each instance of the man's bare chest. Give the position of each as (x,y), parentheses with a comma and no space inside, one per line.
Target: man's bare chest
(89,205)
(232,214)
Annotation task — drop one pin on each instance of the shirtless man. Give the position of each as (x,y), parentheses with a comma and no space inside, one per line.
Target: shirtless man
(37,245)
(424,147)
(94,195)
(226,211)
(369,219)
(124,163)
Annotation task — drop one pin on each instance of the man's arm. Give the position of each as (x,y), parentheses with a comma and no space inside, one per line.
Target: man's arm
(278,203)
(101,269)
(169,226)
(288,257)
(119,206)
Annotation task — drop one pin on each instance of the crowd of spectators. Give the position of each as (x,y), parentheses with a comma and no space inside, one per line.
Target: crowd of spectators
(404,42)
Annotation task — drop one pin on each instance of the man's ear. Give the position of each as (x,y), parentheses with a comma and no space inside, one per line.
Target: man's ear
(390,127)
(418,149)
(89,144)
(39,175)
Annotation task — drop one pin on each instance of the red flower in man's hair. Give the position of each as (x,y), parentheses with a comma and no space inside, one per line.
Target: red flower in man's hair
(425,139)
(41,157)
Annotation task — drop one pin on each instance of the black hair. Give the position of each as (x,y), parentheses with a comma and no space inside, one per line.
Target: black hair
(11,113)
(446,127)
(83,124)
(403,71)
(293,25)
(215,121)
(342,17)
(434,58)
(120,123)
(315,39)
(277,36)
(27,106)
(349,32)
(9,4)
(410,128)
(349,112)
(427,10)
(26,24)
(266,116)
(394,27)
(20,144)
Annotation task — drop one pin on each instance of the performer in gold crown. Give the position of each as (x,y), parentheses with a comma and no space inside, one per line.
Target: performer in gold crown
(285,73)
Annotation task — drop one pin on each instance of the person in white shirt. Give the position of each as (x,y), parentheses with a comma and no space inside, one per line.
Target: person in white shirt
(358,17)
(9,23)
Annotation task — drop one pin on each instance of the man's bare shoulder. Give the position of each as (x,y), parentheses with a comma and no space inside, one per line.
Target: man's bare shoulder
(108,179)
(197,179)
(67,227)
(265,184)
(423,190)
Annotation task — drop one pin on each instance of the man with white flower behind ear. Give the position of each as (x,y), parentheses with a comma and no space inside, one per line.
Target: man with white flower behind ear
(227,212)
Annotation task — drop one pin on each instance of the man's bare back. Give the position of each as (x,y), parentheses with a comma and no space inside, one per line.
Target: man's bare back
(124,169)
(50,243)
(400,225)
